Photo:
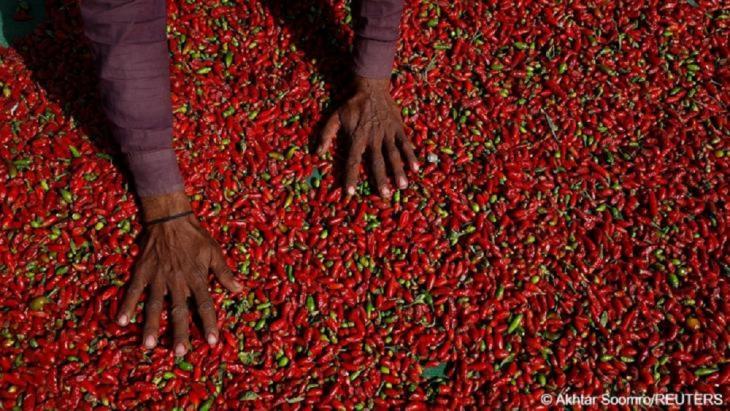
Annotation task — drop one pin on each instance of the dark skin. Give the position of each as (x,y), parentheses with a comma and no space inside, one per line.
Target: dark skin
(372,120)
(175,259)
(177,255)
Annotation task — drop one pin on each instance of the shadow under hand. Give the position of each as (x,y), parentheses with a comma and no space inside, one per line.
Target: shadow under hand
(60,61)
(320,34)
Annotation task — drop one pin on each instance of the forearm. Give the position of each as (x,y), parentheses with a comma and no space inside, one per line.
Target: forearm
(130,46)
(377,31)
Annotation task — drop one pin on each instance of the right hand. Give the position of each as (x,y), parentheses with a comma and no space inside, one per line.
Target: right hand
(175,258)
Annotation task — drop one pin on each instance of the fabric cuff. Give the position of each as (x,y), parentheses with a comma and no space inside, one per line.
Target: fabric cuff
(373,58)
(155,172)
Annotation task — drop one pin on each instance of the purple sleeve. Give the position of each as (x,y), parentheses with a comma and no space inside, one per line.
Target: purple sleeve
(129,42)
(376,30)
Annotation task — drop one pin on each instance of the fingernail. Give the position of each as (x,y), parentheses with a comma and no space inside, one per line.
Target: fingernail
(150,342)
(212,339)
(385,191)
(180,349)
(416,167)
(350,191)
(123,320)
(237,286)
(402,183)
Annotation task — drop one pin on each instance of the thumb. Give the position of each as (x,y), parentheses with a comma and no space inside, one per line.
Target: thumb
(329,133)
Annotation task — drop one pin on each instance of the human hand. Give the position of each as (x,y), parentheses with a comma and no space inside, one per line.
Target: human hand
(175,258)
(373,121)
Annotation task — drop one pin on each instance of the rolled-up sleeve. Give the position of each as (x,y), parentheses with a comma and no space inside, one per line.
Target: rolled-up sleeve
(128,38)
(377,31)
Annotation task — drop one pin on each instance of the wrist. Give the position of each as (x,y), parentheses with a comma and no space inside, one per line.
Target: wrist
(372,85)
(161,206)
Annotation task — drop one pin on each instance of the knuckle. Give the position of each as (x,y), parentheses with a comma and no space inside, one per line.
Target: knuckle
(154,305)
(197,283)
(218,262)
(353,161)
(179,311)
(135,288)
(206,307)
(226,272)
(198,268)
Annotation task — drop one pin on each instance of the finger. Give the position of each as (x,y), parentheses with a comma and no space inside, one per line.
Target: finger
(131,297)
(179,315)
(353,164)
(409,151)
(153,310)
(223,273)
(381,179)
(329,133)
(396,162)
(206,310)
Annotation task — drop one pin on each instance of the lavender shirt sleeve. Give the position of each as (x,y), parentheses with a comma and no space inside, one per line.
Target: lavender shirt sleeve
(129,42)
(376,30)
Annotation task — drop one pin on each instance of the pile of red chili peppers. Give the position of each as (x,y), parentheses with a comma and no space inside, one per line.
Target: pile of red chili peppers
(568,231)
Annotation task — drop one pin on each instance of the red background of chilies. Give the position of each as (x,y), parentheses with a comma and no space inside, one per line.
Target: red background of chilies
(568,232)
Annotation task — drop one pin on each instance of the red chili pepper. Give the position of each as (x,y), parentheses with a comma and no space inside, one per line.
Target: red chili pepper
(566,232)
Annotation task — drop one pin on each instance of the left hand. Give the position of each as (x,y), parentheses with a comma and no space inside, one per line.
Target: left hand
(373,121)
